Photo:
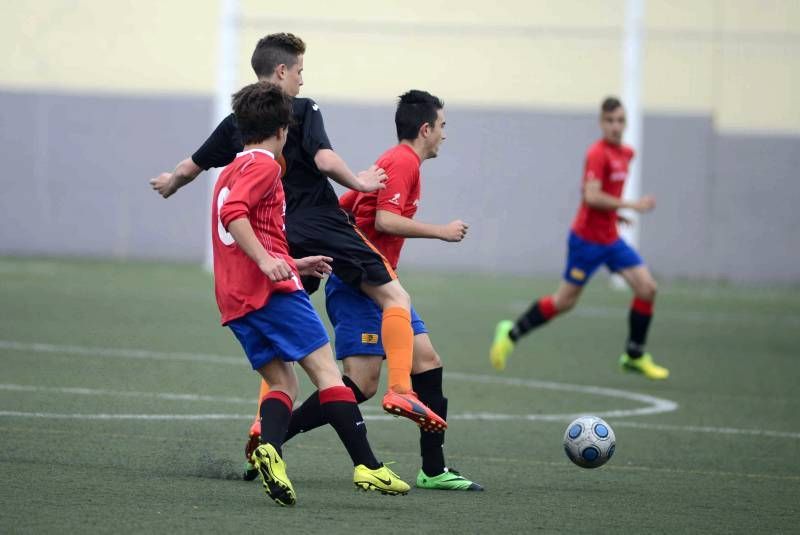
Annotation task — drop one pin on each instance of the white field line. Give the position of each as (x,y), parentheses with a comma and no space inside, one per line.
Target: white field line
(653,405)
(387,417)
(125,393)
(108,352)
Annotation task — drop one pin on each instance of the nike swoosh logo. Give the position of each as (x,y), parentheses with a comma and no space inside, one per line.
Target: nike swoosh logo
(384,481)
(416,408)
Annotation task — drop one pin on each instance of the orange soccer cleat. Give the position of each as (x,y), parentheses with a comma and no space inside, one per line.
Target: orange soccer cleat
(253,441)
(409,406)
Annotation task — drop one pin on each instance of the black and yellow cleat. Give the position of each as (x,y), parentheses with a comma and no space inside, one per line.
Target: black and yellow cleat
(273,475)
(381,479)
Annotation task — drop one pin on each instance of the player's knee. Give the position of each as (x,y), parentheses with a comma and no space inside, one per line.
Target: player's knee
(426,360)
(565,303)
(648,291)
(369,388)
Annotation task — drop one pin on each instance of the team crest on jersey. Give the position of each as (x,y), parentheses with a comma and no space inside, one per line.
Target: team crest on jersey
(369,338)
(577,274)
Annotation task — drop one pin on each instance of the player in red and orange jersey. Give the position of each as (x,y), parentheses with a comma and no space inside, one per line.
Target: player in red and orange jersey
(594,241)
(386,217)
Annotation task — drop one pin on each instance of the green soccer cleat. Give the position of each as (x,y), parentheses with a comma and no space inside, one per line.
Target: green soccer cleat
(448,480)
(250,471)
(643,365)
(502,345)
(273,475)
(381,479)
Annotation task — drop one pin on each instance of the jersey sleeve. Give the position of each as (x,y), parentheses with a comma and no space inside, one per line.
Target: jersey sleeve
(221,147)
(314,135)
(595,168)
(254,182)
(401,175)
(348,200)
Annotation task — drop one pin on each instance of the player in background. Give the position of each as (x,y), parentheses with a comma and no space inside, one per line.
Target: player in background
(315,225)
(386,216)
(261,299)
(594,241)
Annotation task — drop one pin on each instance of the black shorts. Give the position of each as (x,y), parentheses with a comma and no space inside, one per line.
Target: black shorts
(332,232)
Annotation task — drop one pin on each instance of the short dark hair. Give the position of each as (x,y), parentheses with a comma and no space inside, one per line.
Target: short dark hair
(610,104)
(261,109)
(276,49)
(414,109)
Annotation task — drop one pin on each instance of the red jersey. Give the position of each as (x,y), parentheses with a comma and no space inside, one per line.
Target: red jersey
(250,186)
(607,163)
(401,196)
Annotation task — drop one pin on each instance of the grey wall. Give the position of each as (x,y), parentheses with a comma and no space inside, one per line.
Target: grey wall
(75,172)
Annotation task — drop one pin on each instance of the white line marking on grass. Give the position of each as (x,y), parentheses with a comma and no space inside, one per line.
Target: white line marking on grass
(388,417)
(171,417)
(653,405)
(126,393)
(108,352)
(708,429)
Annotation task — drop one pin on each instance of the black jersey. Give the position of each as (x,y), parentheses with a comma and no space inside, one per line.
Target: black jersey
(305,186)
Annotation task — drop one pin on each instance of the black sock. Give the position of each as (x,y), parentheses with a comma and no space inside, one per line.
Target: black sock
(428,386)
(639,318)
(538,314)
(308,416)
(360,397)
(339,409)
(275,414)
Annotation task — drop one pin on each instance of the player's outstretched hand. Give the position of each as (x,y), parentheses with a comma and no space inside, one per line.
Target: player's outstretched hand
(276,269)
(314,266)
(164,184)
(645,204)
(372,179)
(454,231)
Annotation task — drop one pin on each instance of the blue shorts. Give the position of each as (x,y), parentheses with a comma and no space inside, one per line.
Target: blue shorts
(357,320)
(287,327)
(584,257)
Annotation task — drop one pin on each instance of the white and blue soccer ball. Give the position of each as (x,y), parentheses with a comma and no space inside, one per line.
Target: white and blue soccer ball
(589,442)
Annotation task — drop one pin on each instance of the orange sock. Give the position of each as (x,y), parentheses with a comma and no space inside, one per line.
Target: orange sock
(398,342)
(262,393)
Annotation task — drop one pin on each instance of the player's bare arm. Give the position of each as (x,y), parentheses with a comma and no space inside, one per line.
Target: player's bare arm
(391,223)
(332,165)
(276,269)
(314,266)
(594,196)
(168,183)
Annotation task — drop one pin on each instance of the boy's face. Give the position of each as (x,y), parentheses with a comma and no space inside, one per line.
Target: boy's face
(436,135)
(612,123)
(293,78)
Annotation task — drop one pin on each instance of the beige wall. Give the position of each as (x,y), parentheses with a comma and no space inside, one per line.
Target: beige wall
(736,59)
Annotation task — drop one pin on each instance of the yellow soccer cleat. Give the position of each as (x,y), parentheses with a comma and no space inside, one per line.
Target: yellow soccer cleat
(502,345)
(643,365)
(273,475)
(381,479)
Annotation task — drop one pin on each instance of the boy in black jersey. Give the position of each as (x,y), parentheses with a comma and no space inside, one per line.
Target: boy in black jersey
(315,225)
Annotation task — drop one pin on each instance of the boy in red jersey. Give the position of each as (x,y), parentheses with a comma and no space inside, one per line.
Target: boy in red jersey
(594,241)
(261,299)
(315,223)
(386,217)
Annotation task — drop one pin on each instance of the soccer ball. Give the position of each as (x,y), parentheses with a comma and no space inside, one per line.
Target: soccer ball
(589,442)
